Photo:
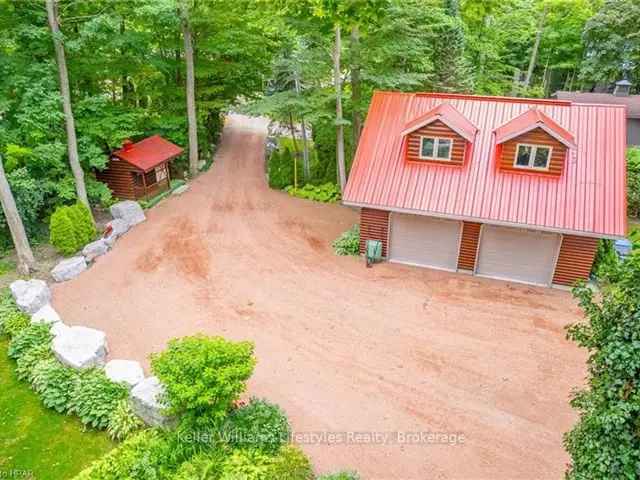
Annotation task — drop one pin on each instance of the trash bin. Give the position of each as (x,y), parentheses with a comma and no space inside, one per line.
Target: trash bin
(373,251)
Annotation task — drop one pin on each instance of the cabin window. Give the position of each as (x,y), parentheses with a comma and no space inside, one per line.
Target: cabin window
(535,157)
(435,148)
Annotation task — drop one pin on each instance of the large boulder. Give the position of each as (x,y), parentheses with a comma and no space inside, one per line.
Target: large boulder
(116,228)
(59,328)
(129,211)
(124,371)
(31,295)
(80,347)
(69,268)
(146,402)
(46,315)
(94,249)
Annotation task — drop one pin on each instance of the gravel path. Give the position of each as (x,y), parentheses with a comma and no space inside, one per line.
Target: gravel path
(342,348)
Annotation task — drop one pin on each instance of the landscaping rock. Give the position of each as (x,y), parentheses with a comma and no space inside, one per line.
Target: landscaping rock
(69,268)
(80,347)
(59,328)
(94,249)
(46,315)
(124,371)
(129,211)
(145,401)
(180,190)
(118,228)
(30,296)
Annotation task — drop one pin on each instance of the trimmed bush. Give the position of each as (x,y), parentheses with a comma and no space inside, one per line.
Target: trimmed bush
(27,362)
(27,338)
(203,376)
(123,422)
(82,223)
(95,397)
(349,242)
(259,424)
(71,228)
(54,383)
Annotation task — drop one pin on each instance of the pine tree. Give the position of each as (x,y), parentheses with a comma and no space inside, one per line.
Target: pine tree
(452,70)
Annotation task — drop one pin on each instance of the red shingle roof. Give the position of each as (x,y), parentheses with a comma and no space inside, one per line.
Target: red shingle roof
(149,153)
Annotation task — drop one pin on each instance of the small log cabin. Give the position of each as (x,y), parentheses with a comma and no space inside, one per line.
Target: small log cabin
(140,170)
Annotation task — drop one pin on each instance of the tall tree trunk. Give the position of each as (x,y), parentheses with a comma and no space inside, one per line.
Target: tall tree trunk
(26,262)
(191,91)
(292,128)
(356,90)
(536,47)
(72,143)
(306,168)
(342,171)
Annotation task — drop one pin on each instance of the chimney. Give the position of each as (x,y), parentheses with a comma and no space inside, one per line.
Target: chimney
(623,88)
(127,145)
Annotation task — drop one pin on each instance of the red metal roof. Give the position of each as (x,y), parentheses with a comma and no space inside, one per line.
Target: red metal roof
(149,153)
(589,198)
(530,120)
(447,115)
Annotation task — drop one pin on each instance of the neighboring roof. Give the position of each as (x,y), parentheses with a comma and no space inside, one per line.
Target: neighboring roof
(149,153)
(530,120)
(632,102)
(589,198)
(448,115)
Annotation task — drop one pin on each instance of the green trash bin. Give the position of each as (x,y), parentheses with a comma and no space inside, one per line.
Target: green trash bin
(373,251)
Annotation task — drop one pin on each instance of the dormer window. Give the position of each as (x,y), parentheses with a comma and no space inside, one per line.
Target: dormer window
(535,157)
(435,148)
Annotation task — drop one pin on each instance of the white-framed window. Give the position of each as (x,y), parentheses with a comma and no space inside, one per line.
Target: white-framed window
(435,148)
(535,157)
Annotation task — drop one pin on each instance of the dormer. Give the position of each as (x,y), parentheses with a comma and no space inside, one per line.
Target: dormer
(533,143)
(441,136)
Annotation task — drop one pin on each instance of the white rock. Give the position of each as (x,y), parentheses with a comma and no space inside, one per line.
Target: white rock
(46,314)
(80,347)
(30,296)
(146,402)
(129,211)
(118,228)
(180,190)
(124,371)
(95,249)
(69,268)
(59,328)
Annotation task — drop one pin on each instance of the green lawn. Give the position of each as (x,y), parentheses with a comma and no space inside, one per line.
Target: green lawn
(39,441)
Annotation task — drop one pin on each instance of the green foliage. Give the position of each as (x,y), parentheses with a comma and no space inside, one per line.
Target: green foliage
(27,338)
(123,421)
(95,398)
(14,322)
(280,169)
(7,266)
(259,425)
(348,243)
(633,182)
(606,262)
(249,464)
(71,228)
(604,444)
(26,363)
(203,466)
(340,476)
(82,223)
(326,193)
(54,383)
(203,376)
(29,196)
(8,308)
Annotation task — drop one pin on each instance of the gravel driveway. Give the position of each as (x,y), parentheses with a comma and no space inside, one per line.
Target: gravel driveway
(482,365)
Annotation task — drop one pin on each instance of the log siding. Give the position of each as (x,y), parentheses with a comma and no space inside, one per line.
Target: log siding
(506,153)
(575,259)
(436,129)
(374,225)
(469,246)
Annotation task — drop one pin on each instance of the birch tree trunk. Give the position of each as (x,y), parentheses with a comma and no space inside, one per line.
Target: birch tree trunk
(190,91)
(26,262)
(342,173)
(356,91)
(305,141)
(72,142)
(536,47)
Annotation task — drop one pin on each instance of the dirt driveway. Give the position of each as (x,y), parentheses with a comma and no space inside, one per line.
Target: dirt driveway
(340,347)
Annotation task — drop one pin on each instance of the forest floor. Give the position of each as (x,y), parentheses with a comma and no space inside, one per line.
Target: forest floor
(347,351)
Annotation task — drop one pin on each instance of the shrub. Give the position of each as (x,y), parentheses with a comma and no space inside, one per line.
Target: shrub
(633,182)
(349,242)
(280,169)
(13,323)
(62,234)
(8,307)
(203,376)
(259,424)
(290,463)
(203,466)
(123,421)
(27,362)
(605,264)
(27,338)
(95,397)
(340,476)
(326,193)
(55,383)
(82,223)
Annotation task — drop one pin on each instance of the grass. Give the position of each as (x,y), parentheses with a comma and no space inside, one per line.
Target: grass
(36,442)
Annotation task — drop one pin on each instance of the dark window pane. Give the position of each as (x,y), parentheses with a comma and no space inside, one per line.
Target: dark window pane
(427,147)
(524,153)
(542,157)
(444,148)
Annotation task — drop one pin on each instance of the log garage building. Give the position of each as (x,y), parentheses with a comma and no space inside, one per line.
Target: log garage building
(508,188)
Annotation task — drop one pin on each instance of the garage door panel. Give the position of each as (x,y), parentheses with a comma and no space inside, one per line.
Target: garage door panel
(519,255)
(424,241)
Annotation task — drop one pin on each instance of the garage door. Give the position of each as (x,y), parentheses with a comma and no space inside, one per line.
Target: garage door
(424,241)
(515,254)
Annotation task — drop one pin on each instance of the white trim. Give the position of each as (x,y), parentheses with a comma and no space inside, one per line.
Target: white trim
(443,119)
(532,157)
(540,125)
(436,144)
(475,265)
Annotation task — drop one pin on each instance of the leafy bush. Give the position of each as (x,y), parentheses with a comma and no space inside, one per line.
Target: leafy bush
(326,193)
(82,223)
(280,169)
(251,464)
(27,338)
(54,383)
(29,197)
(95,397)
(203,376)
(633,182)
(123,421)
(203,466)
(71,228)
(340,476)
(605,444)
(27,362)
(259,424)
(291,464)
(605,265)
(349,242)
(8,307)
(14,322)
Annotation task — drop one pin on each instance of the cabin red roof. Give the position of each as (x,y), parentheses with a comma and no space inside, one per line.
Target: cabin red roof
(530,120)
(149,153)
(447,115)
(589,198)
